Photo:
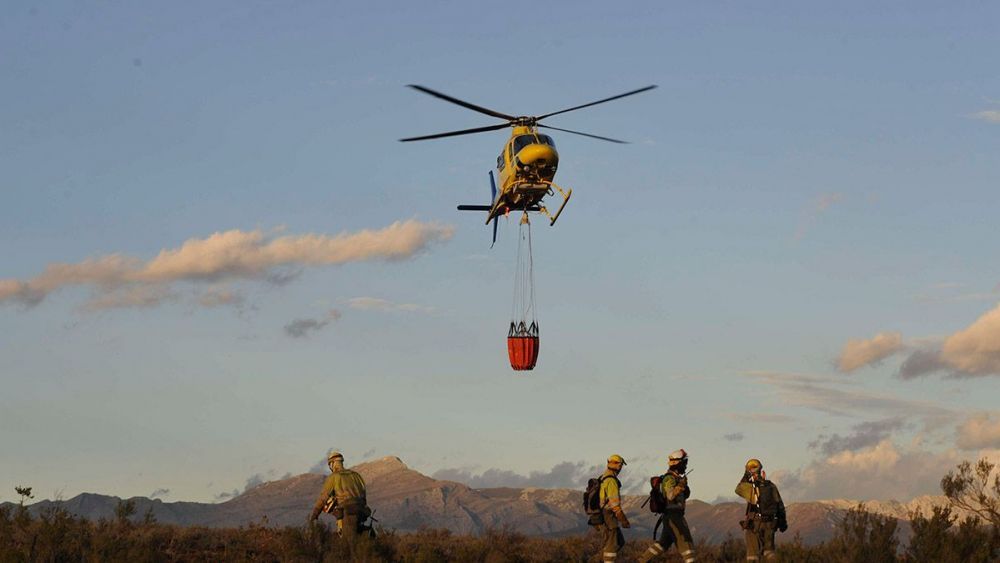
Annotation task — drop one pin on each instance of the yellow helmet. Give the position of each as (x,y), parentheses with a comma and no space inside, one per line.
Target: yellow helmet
(334,455)
(753,463)
(617,459)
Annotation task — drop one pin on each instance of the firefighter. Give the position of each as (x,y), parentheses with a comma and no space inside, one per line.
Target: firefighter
(344,495)
(674,492)
(611,510)
(765,512)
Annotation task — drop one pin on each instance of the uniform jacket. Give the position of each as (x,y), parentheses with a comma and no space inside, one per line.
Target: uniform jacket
(610,490)
(763,498)
(346,487)
(675,491)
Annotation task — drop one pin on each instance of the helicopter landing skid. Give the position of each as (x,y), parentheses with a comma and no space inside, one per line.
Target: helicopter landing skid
(565,195)
(533,191)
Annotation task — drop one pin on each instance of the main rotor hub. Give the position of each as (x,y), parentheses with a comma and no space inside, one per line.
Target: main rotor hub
(524,121)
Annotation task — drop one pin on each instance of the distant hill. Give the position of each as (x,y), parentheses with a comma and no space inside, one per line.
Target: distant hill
(408,500)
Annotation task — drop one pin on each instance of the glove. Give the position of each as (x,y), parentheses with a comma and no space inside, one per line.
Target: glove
(622,519)
(782,526)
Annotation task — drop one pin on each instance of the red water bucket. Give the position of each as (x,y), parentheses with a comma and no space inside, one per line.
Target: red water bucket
(523,352)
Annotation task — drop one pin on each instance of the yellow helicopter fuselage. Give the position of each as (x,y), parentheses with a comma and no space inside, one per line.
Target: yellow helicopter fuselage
(526,168)
(528,155)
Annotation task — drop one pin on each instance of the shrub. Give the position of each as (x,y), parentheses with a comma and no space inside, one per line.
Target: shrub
(864,537)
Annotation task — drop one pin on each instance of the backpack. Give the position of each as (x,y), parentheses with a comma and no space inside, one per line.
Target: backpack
(592,496)
(767,501)
(657,503)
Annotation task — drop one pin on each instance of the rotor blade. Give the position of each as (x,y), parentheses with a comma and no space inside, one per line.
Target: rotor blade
(639,91)
(454,133)
(462,103)
(584,134)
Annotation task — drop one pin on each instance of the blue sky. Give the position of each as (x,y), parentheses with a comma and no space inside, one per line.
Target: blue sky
(804,176)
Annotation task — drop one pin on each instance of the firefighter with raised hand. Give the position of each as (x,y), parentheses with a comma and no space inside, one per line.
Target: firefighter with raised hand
(611,509)
(345,496)
(765,512)
(671,492)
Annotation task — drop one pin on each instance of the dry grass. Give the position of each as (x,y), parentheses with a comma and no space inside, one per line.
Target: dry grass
(58,536)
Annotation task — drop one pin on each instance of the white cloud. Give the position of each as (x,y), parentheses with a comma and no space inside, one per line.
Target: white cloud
(975,350)
(220,296)
(989,116)
(882,471)
(979,431)
(971,352)
(827,395)
(876,459)
(863,434)
(386,306)
(566,474)
(130,297)
(105,273)
(229,255)
(860,353)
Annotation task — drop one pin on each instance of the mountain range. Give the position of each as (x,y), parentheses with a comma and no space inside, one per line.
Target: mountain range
(407,500)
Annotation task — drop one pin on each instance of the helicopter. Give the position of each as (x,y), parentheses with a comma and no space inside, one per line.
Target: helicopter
(528,162)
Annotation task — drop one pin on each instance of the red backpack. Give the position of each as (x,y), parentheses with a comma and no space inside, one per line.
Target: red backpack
(657,504)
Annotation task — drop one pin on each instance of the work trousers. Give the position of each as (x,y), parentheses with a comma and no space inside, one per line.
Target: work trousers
(674,531)
(760,539)
(349,528)
(611,536)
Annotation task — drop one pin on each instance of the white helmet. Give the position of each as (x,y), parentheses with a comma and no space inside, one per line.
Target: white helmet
(677,457)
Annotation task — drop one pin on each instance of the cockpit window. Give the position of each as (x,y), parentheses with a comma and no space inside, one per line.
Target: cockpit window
(524,140)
